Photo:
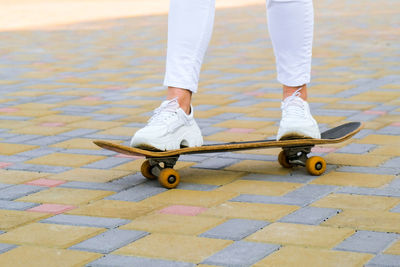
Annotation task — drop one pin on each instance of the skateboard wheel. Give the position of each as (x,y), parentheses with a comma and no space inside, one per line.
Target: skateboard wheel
(169,178)
(145,169)
(283,160)
(316,165)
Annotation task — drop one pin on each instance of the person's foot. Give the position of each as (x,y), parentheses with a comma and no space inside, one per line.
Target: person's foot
(169,128)
(297,121)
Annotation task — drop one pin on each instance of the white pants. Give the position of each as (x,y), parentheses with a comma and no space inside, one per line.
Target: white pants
(190,24)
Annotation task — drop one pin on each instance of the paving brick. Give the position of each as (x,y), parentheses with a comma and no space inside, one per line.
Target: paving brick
(309,215)
(235,229)
(215,163)
(391,130)
(384,260)
(86,221)
(197,187)
(14,205)
(46,141)
(122,261)
(4,186)
(13,158)
(392,163)
(38,152)
(79,132)
(396,209)
(38,168)
(367,241)
(17,191)
(349,179)
(137,193)
(241,253)
(372,170)
(6,247)
(107,163)
(356,148)
(109,241)
(294,177)
(385,192)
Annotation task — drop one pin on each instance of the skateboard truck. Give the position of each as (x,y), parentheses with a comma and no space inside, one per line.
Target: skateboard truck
(298,156)
(167,176)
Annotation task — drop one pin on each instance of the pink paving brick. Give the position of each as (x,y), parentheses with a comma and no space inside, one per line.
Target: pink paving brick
(397,124)
(46,182)
(116,88)
(9,110)
(253,93)
(127,156)
(52,124)
(322,149)
(240,130)
(4,164)
(377,112)
(52,208)
(183,210)
(91,98)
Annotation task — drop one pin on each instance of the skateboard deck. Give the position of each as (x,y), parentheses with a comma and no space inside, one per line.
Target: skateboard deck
(294,152)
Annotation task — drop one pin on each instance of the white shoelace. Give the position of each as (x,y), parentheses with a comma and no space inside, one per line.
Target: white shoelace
(164,113)
(293,105)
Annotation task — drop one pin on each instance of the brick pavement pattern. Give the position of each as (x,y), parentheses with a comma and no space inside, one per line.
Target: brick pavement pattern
(64,200)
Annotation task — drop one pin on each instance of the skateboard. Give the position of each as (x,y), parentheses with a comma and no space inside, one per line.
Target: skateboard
(159,164)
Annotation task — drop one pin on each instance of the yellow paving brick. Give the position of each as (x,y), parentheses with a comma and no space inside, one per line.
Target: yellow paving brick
(68,196)
(347,106)
(233,137)
(372,220)
(31,113)
(41,130)
(301,235)
(328,88)
(260,187)
(12,124)
(267,114)
(173,224)
(14,218)
(328,119)
(305,257)
(205,176)
(252,211)
(19,177)
(374,96)
(354,179)
(64,159)
(42,256)
(243,124)
(191,197)
(121,131)
(387,150)
(77,143)
(184,248)
(394,249)
(36,106)
(374,125)
(49,235)
(61,118)
(11,149)
(116,209)
(359,202)
(380,139)
(367,160)
(124,111)
(90,175)
(94,124)
(258,166)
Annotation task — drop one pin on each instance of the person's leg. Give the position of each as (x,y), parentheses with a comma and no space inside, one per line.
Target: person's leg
(190,24)
(290,24)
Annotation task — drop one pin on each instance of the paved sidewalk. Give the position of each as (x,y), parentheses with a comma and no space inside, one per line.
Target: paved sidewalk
(65,202)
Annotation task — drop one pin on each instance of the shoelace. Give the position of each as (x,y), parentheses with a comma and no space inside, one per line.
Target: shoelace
(293,106)
(164,113)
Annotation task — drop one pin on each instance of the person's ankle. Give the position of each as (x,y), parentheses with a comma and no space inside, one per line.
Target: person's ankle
(183,96)
(289,90)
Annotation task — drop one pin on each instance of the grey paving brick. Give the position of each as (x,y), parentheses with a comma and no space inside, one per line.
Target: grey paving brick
(363,133)
(17,191)
(6,247)
(101,152)
(46,140)
(384,260)
(38,152)
(95,186)
(309,215)
(79,132)
(356,148)
(391,130)
(13,158)
(86,221)
(226,116)
(396,209)
(249,156)
(108,137)
(137,193)
(123,261)
(394,184)
(294,177)
(192,158)
(106,117)
(16,205)
(367,242)
(312,192)
(362,117)
(235,229)
(385,192)
(241,253)
(109,241)
(4,186)
(215,163)
(392,163)
(21,139)
(373,170)
(197,187)
(270,200)
(14,118)
(38,168)
(206,131)
(107,163)
(334,112)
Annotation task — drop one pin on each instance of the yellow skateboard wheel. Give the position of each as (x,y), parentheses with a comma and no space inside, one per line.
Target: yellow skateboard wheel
(145,169)
(283,160)
(169,178)
(316,165)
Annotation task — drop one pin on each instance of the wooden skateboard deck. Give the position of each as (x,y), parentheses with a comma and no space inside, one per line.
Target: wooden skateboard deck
(294,151)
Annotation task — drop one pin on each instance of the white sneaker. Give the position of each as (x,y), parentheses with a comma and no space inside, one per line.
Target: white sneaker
(297,121)
(169,128)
